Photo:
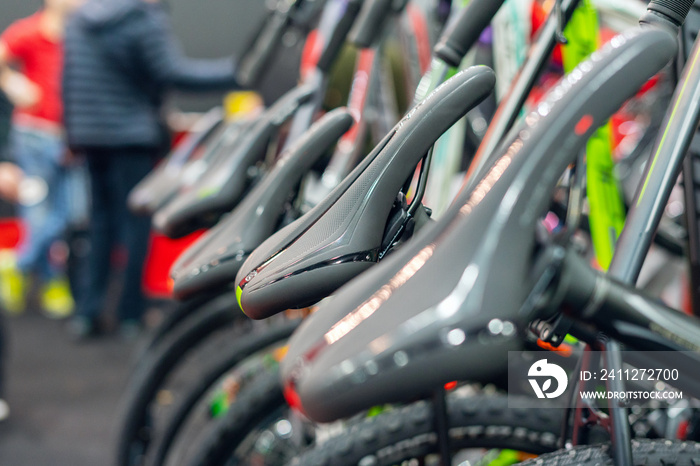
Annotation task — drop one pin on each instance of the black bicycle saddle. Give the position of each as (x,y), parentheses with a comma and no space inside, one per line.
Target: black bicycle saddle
(449,305)
(217,151)
(223,185)
(341,237)
(162,183)
(214,259)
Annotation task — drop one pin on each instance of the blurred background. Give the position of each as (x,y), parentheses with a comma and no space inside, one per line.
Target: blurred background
(63,397)
(206,29)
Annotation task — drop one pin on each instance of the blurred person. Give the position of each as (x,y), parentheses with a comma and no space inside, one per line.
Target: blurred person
(5,117)
(121,60)
(31,57)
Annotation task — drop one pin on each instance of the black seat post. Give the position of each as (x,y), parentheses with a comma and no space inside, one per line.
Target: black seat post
(442,426)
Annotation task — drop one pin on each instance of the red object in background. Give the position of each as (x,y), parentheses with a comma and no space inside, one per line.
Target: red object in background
(162,254)
(539,17)
(313,48)
(583,125)
(41,61)
(177,138)
(420,30)
(617,120)
(292,398)
(11,232)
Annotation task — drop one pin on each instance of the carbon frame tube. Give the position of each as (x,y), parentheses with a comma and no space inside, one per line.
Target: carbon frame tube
(514,101)
(691,173)
(350,146)
(691,188)
(330,20)
(660,174)
(367,101)
(305,115)
(645,213)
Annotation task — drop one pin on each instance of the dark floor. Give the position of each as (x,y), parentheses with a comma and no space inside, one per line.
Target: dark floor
(63,396)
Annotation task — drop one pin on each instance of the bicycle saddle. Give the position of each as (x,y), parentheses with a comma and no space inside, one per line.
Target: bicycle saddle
(162,183)
(223,185)
(214,259)
(217,151)
(341,237)
(448,305)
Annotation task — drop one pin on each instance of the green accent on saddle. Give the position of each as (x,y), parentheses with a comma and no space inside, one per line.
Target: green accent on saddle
(607,212)
(207,191)
(505,458)
(239,292)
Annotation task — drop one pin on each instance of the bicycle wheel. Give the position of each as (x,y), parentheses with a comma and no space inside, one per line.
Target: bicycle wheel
(260,403)
(226,363)
(135,424)
(476,422)
(181,312)
(645,452)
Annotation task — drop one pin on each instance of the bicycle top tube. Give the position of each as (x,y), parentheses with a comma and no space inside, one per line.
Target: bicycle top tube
(447,307)
(341,237)
(255,62)
(223,185)
(513,102)
(214,260)
(336,18)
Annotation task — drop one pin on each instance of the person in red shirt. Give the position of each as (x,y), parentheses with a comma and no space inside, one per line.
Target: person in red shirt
(31,61)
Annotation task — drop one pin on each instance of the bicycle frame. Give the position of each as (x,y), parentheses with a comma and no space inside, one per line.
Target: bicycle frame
(492,260)
(691,175)
(513,102)
(654,326)
(627,315)
(317,78)
(660,174)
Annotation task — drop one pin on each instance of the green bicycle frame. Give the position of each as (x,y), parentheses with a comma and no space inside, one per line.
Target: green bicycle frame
(607,212)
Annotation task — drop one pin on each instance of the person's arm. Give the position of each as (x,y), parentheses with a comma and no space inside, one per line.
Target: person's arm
(19,90)
(164,61)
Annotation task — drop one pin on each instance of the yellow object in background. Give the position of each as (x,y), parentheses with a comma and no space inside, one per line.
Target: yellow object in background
(12,284)
(241,103)
(56,298)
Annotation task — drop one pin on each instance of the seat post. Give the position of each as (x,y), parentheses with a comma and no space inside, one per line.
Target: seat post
(442,426)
